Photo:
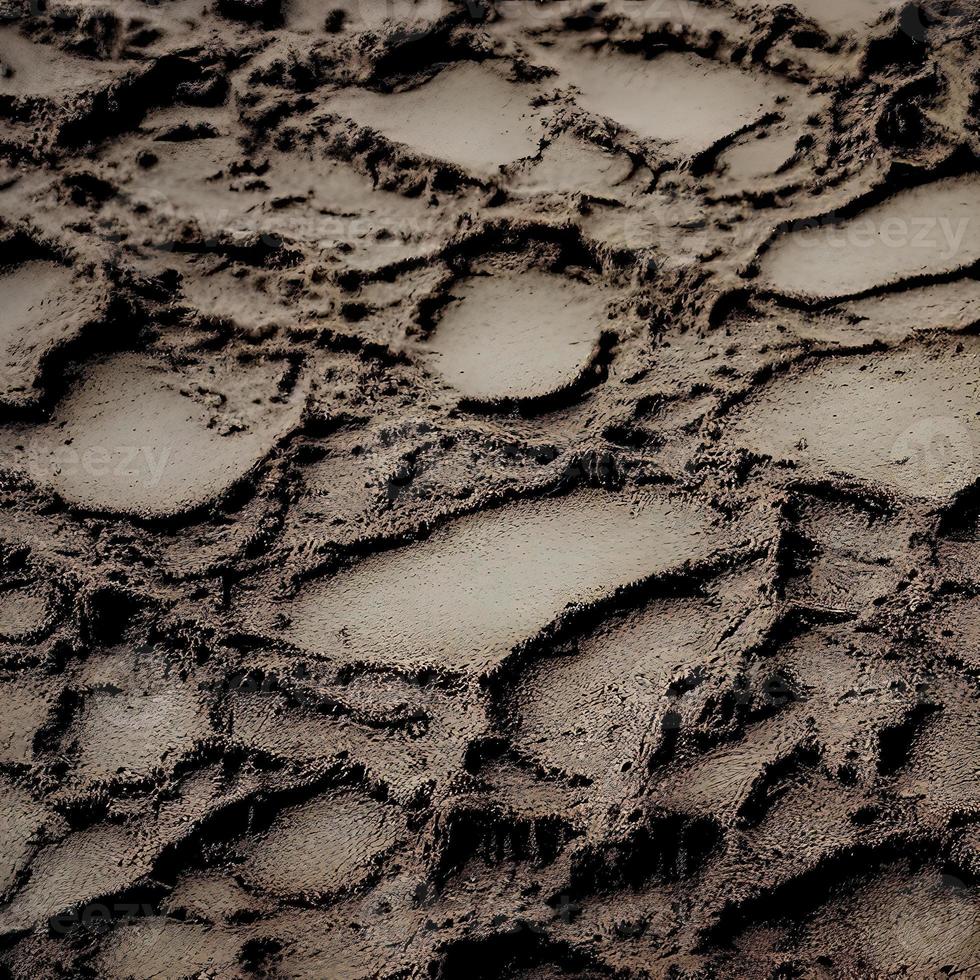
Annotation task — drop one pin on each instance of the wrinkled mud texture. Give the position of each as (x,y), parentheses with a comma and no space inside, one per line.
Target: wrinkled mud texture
(489,489)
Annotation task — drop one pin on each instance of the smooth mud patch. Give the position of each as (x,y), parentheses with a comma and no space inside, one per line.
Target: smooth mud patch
(24,612)
(895,316)
(465,597)
(681,99)
(84,866)
(926,231)
(467,115)
(126,439)
(165,949)
(906,421)
(946,306)
(35,70)
(517,337)
(127,735)
(758,155)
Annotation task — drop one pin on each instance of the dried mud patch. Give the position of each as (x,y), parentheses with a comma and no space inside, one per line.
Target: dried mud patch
(906,421)
(489,489)
(497,126)
(926,232)
(505,574)
(125,439)
(685,101)
(323,847)
(518,339)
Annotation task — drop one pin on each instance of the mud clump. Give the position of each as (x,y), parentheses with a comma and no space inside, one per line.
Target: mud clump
(489,489)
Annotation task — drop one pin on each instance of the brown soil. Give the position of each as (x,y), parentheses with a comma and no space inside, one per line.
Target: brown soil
(489,488)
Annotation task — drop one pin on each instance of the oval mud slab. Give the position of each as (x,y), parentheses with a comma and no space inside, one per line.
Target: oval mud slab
(126,439)
(23,612)
(517,338)
(464,598)
(467,115)
(323,846)
(681,99)
(926,231)
(906,421)
(758,155)
(894,316)
(42,306)
(164,949)
(85,866)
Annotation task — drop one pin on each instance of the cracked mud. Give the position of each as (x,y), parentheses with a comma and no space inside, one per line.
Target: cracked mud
(489,489)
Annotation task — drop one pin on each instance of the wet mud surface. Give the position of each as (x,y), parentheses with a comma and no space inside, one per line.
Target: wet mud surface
(489,489)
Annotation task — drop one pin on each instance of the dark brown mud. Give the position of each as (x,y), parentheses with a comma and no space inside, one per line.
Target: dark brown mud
(489,489)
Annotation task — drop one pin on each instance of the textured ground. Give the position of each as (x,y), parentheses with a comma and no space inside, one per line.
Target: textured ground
(489,489)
